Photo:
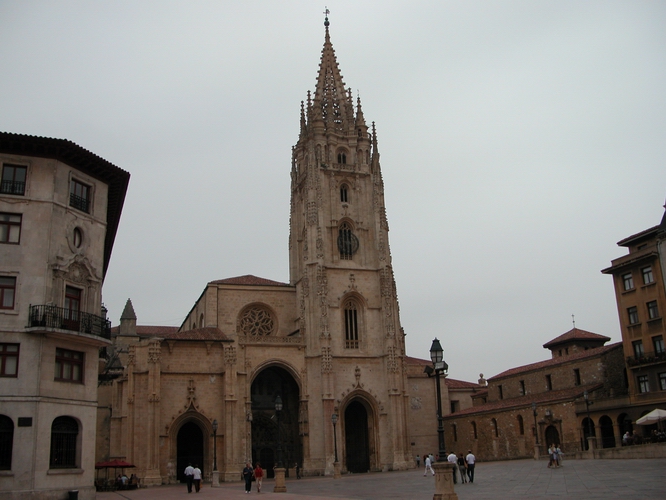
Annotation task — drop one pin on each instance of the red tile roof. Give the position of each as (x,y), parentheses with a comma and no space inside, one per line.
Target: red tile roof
(248,279)
(526,401)
(590,353)
(575,334)
(628,240)
(207,333)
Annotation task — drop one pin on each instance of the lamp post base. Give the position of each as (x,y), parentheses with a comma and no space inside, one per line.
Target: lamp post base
(536,452)
(336,470)
(216,479)
(280,485)
(444,481)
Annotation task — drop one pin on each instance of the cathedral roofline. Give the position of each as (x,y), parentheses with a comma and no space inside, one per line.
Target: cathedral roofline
(248,279)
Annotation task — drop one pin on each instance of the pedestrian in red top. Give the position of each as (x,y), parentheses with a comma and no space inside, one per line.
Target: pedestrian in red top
(259,476)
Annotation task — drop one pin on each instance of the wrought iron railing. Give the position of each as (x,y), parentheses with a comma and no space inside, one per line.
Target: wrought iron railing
(48,316)
(646,358)
(12,187)
(79,203)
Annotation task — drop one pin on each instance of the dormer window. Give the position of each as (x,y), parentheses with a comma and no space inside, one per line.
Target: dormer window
(79,196)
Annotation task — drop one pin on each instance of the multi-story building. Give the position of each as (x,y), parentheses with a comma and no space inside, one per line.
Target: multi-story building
(59,211)
(539,404)
(639,279)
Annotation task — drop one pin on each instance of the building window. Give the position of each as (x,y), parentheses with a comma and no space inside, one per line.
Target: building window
(549,383)
(495,429)
(521,425)
(9,358)
(351,325)
(576,376)
(476,436)
(6,442)
(64,437)
(639,352)
(72,307)
(455,406)
(653,310)
(628,281)
(647,275)
(643,384)
(632,313)
(342,158)
(454,427)
(500,392)
(255,321)
(522,387)
(347,242)
(10,228)
(658,343)
(344,195)
(68,366)
(662,381)
(78,237)
(7,292)
(79,196)
(13,179)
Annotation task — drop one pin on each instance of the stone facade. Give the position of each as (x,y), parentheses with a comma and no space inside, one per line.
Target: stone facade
(59,209)
(501,424)
(328,343)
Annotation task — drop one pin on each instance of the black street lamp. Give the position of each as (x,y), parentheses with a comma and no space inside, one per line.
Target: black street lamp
(215,445)
(437,357)
(590,427)
(278,410)
(536,431)
(334,419)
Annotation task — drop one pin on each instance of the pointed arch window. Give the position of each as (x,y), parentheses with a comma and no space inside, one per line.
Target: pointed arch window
(342,158)
(344,193)
(351,312)
(521,425)
(347,242)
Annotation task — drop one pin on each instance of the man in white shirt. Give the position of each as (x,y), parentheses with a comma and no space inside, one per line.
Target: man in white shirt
(196,477)
(189,476)
(428,466)
(452,459)
(470,459)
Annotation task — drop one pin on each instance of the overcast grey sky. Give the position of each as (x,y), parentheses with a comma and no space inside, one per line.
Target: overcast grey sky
(520,140)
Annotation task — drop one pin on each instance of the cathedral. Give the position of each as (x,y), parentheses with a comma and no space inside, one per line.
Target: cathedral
(327,347)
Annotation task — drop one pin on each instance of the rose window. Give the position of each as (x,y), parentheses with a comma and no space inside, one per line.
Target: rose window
(256,321)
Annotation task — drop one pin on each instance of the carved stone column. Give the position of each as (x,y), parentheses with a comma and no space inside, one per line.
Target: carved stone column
(444,481)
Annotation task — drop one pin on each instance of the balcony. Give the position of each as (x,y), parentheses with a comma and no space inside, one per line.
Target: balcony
(648,358)
(59,318)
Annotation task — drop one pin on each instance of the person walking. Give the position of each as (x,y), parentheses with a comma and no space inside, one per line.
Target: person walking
(259,476)
(196,478)
(418,461)
(470,459)
(462,468)
(248,474)
(452,459)
(428,466)
(189,477)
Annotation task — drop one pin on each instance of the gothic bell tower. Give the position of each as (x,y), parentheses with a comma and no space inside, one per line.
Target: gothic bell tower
(340,263)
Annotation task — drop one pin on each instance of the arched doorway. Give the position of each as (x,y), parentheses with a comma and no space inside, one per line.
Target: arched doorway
(606,431)
(588,431)
(190,449)
(624,422)
(552,436)
(267,385)
(357,442)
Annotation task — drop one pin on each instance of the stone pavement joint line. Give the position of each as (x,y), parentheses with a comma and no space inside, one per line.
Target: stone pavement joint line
(523,479)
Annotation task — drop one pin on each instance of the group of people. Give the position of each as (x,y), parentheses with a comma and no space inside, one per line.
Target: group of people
(461,464)
(251,475)
(193,476)
(555,456)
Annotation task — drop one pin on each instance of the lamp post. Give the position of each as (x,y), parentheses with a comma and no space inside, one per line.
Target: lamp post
(278,410)
(216,473)
(437,357)
(336,464)
(280,486)
(536,431)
